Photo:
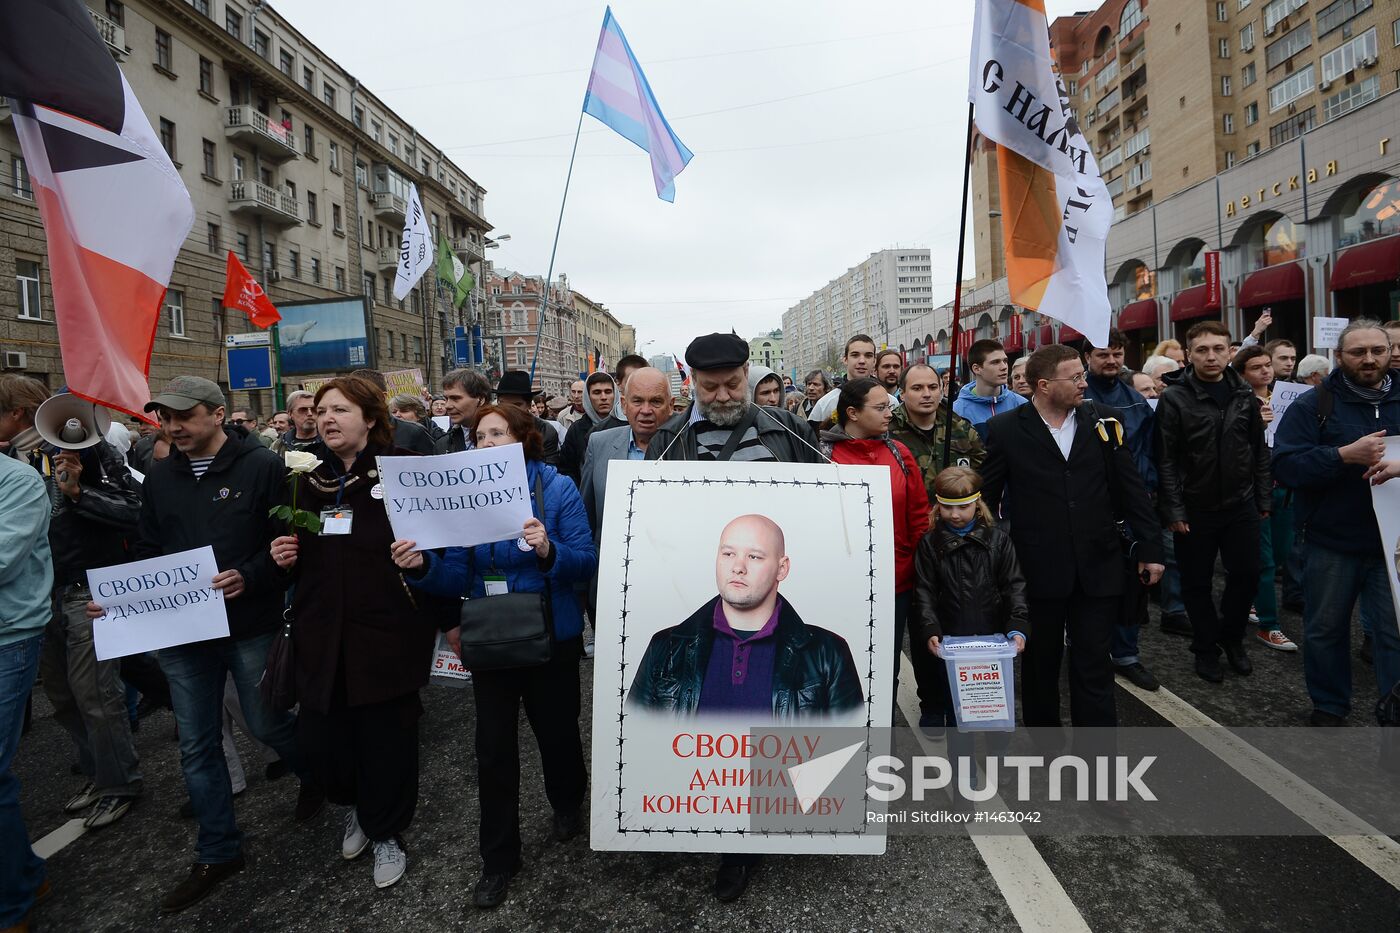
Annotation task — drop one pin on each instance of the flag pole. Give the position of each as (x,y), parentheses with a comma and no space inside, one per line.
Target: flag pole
(549,276)
(955,359)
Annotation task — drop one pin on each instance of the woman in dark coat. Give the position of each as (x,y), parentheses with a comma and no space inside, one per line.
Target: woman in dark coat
(363,641)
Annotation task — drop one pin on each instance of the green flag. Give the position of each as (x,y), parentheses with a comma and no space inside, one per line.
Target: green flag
(453,273)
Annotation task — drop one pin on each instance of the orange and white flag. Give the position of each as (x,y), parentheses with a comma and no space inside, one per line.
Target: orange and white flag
(1056,210)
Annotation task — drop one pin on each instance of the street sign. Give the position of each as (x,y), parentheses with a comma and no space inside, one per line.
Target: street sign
(461,348)
(257,338)
(249,368)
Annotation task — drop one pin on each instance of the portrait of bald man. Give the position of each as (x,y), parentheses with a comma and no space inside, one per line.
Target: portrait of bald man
(747,650)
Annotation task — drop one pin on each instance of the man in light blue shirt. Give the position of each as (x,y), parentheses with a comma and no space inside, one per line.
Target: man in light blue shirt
(988,395)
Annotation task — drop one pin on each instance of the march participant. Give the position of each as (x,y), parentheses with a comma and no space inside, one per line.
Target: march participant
(216,489)
(859,359)
(463,392)
(765,388)
(1018,382)
(574,411)
(1329,443)
(921,424)
(281,422)
(554,554)
(1172,350)
(1283,358)
(601,412)
(96,504)
(814,388)
(1157,367)
(1255,367)
(302,408)
(26,585)
(1214,488)
(513,389)
(987,395)
(1058,467)
(646,401)
(1105,387)
(861,438)
(363,645)
(889,368)
(405,407)
(723,424)
(1144,385)
(1313,369)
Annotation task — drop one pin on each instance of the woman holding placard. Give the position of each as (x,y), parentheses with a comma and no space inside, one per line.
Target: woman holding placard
(363,644)
(553,553)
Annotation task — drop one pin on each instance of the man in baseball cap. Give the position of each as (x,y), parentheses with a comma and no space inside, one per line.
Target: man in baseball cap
(185,392)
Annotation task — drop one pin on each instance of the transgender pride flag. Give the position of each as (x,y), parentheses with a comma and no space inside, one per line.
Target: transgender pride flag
(619,96)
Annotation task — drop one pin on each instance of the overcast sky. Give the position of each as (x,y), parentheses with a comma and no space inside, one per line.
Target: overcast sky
(822,131)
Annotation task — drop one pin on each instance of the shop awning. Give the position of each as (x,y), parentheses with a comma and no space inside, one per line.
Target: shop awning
(1367,264)
(1192,303)
(1046,336)
(1012,343)
(1140,315)
(1069,333)
(1276,283)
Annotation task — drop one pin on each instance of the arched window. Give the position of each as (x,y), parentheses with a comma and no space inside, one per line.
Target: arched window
(1370,212)
(1273,240)
(1131,17)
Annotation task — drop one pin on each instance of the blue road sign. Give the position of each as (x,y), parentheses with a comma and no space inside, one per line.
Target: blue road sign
(249,368)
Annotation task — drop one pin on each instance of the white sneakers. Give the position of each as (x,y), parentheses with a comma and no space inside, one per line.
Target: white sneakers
(390,862)
(355,841)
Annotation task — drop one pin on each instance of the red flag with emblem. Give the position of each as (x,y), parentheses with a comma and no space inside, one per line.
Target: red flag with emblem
(242,291)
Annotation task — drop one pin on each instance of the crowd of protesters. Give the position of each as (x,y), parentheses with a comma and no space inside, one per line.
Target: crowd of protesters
(1042,500)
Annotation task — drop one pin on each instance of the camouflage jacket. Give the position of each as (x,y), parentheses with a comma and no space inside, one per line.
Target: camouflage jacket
(927,446)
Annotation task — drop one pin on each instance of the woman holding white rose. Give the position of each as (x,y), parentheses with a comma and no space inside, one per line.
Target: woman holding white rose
(363,644)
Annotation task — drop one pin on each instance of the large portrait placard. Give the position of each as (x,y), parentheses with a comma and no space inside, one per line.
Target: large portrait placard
(744,657)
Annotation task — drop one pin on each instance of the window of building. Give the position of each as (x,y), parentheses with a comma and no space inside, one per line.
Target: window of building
(1292,87)
(1336,63)
(1142,172)
(201,6)
(211,237)
(239,167)
(19,179)
(1293,127)
(309,140)
(1370,212)
(1395,31)
(294,263)
(242,239)
(417,349)
(1247,38)
(1251,150)
(328,94)
(262,45)
(388,290)
(1130,17)
(308,78)
(1230,159)
(27,283)
(1225,86)
(167,137)
(393,144)
(315,270)
(1244,3)
(313,213)
(1336,14)
(369,285)
(1362,92)
(362,174)
(1248,75)
(1281,50)
(1227,123)
(390,335)
(1137,142)
(1222,12)
(1275,12)
(376,131)
(175,308)
(210,158)
(1275,242)
(233,22)
(164,58)
(333,155)
(269,259)
(1224,49)
(286,62)
(206,76)
(336,223)
(116,12)
(1251,113)
(358,117)
(340,278)
(1110,160)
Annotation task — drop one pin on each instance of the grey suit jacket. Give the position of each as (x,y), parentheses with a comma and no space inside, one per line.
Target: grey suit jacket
(603,446)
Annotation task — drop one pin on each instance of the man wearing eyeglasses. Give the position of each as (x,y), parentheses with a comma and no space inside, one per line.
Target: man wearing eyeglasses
(1329,448)
(1054,467)
(1213,489)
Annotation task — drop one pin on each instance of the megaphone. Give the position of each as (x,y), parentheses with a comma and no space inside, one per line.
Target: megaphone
(71,423)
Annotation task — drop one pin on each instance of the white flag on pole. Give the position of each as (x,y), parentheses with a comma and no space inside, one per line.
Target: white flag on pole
(415,246)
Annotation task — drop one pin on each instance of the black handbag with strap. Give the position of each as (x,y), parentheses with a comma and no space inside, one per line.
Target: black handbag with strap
(511,630)
(278,686)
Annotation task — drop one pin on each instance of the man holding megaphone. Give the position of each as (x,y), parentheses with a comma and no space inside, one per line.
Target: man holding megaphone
(96,505)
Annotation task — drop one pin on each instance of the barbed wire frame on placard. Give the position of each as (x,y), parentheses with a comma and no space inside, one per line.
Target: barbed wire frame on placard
(622,714)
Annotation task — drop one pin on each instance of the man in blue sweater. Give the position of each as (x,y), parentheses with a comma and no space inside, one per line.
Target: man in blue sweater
(1105,387)
(987,395)
(1328,448)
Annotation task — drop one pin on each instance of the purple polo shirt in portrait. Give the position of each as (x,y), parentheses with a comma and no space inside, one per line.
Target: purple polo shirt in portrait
(740,673)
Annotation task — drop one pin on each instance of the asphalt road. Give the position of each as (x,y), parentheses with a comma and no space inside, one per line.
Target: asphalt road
(113,879)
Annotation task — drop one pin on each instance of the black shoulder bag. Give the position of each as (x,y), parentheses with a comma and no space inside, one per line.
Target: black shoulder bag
(511,630)
(1132,609)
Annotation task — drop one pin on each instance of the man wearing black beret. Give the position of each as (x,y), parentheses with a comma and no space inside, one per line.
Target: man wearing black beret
(722,423)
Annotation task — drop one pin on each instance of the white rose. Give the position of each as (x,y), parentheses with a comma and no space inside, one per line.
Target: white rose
(299,461)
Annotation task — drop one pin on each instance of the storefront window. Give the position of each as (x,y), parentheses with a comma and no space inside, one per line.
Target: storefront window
(1192,271)
(1370,213)
(1144,283)
(1279,241)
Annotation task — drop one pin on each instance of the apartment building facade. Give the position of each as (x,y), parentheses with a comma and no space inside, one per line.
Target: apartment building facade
(290,163)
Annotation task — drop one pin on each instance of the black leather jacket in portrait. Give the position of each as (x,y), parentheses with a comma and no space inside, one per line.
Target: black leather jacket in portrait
(1210,459)
(813,672)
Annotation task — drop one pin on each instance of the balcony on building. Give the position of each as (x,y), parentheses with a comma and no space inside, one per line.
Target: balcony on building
(388,258)
(466,250)
(253,198)
(257,130)
(111,33)
(390,195)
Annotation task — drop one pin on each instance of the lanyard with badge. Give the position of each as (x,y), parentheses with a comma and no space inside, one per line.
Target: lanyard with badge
(340,519)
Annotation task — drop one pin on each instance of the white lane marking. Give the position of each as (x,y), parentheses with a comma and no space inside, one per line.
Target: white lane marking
(1358,838)
(56,840)
(1035,896)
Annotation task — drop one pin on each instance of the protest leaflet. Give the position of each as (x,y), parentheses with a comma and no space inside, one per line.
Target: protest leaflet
(773,759)
(1283,395)
(446,668)
(457,500)
(157,603)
